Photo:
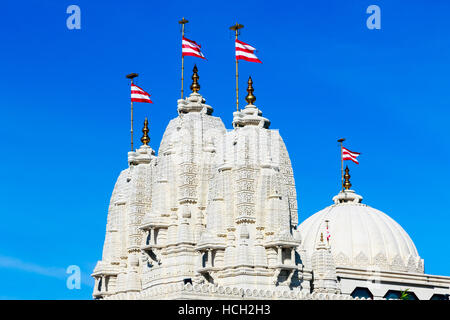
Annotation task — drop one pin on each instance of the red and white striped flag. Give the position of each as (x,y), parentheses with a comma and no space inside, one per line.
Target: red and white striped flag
(245,52)
(349,155)
(139,95)
(191,48)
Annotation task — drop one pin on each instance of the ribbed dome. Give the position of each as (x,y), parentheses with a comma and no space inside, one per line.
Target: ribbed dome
(361,236)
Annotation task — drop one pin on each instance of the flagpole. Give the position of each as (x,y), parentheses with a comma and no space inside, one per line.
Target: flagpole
(182,22)
(237,84)
(131,76)
(236,28)
(342,164)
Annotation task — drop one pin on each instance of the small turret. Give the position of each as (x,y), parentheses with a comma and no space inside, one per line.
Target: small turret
(324,269)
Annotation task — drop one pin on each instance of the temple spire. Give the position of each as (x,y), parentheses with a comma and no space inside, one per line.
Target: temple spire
(145,138)
(347,185)
(195,86)
(250,97)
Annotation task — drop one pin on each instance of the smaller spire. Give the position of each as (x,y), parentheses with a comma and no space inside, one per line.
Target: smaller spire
(347,185)
(250,97)
(145,138)
(195,86)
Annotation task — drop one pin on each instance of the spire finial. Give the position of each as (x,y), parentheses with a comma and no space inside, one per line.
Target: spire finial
(183,21)
(250,97)
(195,86)
(321,237)
(145,138)
(347,185)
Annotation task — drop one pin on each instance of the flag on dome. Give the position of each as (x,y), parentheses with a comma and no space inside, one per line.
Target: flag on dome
(191,48)
(139,95)
(246,52)
(349,155)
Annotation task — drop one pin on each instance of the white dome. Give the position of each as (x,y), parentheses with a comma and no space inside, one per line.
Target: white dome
(361,236)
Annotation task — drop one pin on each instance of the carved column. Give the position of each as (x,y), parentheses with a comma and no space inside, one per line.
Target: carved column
(210,258)
(280,254)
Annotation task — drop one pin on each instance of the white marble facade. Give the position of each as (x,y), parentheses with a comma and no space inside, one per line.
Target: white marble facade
(214,216)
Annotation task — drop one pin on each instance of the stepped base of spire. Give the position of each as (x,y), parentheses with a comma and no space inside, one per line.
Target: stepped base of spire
(142,155)
(194,103)
(347,196)
(250,116)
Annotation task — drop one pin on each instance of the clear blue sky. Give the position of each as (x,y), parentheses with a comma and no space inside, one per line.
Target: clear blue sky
(65,113)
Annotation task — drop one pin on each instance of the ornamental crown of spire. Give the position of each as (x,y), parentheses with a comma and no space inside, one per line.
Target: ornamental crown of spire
(145,138)
(195,86)
(346,195)
(347,185)
(250,97)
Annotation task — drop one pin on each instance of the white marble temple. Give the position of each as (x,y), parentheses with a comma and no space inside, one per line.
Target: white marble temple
(214,216)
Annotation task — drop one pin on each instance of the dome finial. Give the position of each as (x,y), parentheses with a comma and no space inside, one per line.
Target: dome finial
(321,237)
(250,97)
(346,185)
(195,86)
(145,138)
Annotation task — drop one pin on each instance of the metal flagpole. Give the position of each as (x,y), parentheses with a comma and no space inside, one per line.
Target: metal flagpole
(236,28)
(342,164)
(182,22)
(131,76)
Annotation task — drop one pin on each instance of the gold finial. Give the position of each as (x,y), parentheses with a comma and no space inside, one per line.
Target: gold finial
(132,75)
(195,86)
(183,21)
(347,185)
(145,138)
(250,98)
(236,27)
(321,237)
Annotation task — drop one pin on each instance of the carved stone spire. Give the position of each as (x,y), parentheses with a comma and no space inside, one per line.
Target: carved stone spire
(324,269)
(250,97)
(145,138)
(195,86)
(347,185)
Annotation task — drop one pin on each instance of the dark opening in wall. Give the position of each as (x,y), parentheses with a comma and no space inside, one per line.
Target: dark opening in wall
(360,292)
(439,297)
(396,294)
